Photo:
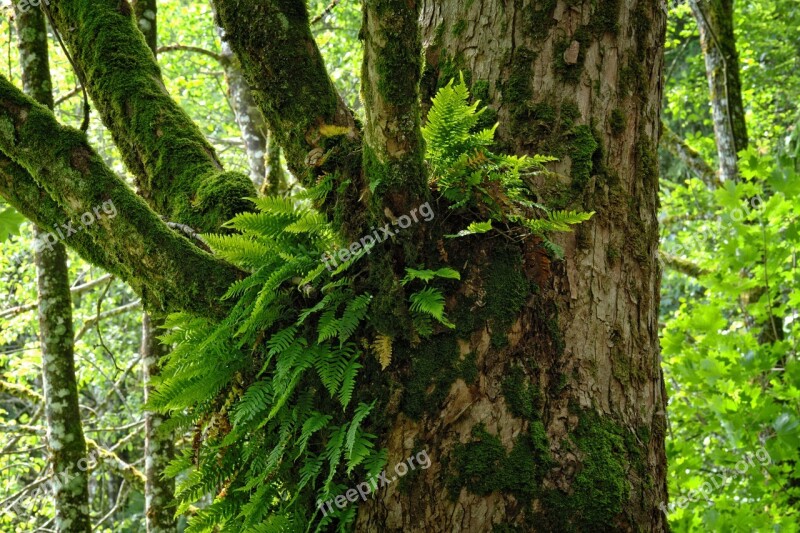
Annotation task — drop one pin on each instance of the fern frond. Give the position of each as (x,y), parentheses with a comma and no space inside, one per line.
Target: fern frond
(382,347)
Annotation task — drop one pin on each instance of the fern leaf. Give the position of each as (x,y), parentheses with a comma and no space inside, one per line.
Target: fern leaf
(382,347)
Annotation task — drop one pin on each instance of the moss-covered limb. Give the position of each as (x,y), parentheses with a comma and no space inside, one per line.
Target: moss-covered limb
(176,169)
(690,157)
(19,188)
(20,391)
(136,244)
(682,265)
(393,153)
(285,71)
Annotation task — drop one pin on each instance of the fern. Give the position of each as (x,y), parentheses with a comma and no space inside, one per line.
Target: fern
(382,347)
(430,301)
(472,177)
(252,409)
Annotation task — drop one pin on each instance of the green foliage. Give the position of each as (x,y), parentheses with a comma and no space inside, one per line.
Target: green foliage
(10,221)
(471,177)
(257,400)
(729,348)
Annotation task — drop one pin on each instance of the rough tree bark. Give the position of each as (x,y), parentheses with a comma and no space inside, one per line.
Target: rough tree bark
(65,440)
(563,426)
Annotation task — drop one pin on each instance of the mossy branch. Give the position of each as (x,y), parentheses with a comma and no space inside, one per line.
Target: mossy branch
(136,245)
(284,68)
(176,169)
(683,266)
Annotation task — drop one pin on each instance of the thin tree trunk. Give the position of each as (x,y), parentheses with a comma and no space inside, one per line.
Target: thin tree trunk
(553,417)
(159,447)
(715,21)
(65,438)
(249,118)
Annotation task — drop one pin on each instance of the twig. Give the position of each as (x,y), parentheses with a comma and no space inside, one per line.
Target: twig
(325,12)
(74,290)
(187,48)
(105,314)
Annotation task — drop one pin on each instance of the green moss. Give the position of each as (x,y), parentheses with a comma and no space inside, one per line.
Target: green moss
(612,255)
(170,158)
(517,89)
(605,18)
(600,490)
(582,150)
(483,466)
(571,72)
(620,368)
(537,22)
(433,368)
(617,121)
(468,368)
(459,27)
(480,91)
(506,290)
(524,399)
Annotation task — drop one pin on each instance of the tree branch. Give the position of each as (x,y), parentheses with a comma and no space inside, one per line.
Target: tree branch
(20,391)
(690,157)
(683,266)
(176,170)
(160,265)
(287,76)
(73,290)
(188,48)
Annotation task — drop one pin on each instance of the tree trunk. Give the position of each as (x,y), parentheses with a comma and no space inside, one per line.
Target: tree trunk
(158,447)
(545,411)
(715,21)
(65,439)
